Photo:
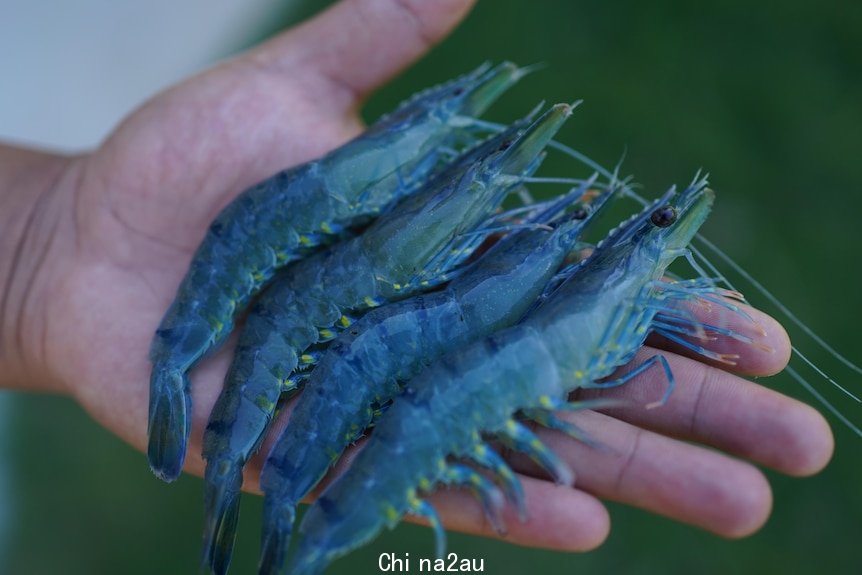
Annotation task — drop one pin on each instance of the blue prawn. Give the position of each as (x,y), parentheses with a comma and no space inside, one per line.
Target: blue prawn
(591,323)
(363,367)
(409,250)
(282,219)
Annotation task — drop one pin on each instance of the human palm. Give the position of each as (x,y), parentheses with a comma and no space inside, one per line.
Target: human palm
(146,198)
(140,204)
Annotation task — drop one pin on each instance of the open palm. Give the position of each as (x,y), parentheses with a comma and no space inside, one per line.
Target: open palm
(137,207)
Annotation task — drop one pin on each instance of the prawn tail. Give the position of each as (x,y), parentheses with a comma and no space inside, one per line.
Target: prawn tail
(223,480)
(169,421)
(335,525)
(275,535)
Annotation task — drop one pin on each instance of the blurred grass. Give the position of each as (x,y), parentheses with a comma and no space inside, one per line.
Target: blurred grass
(766,97)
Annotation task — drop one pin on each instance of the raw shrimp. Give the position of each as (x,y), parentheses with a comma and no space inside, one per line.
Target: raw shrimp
(410,249)
(363,367)
(593,322)
(282,219)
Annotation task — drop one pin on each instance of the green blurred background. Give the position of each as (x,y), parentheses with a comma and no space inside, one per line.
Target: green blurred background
(765,96)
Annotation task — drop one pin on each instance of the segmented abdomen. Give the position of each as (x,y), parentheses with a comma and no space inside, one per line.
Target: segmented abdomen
(442,412)
(358,371)
(267,353)
(247,242)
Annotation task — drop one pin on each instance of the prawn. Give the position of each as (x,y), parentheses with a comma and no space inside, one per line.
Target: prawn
(412,248)
(699,260)
(595,320)
(282,219)
(362,368)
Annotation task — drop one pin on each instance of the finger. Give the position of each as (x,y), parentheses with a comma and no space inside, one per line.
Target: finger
(663,475)
(559,517)
(713,407)
(767,352)
(285,102)
(358,45)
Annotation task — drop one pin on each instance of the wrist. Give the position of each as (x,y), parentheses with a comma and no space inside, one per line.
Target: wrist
(33,211)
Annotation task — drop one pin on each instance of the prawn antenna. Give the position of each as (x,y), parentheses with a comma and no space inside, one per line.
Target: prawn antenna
(760,288)
(825,402)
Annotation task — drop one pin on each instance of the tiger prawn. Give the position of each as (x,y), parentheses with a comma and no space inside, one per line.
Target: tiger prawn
(593,322)
(409,250)
(282,219)
(363,367)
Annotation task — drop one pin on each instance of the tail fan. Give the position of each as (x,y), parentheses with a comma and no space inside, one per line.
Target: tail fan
(275,536)
(223,481)
(169,422)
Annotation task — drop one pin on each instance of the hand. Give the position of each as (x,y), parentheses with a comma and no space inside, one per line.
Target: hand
(103,239)
(685,459)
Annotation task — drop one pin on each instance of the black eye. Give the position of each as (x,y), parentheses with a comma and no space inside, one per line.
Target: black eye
(458,91)
(504,146)
(580,214)
(663,216)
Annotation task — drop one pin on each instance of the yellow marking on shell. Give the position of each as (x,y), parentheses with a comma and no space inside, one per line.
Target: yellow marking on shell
(258,277)
(264,403)
(306,358)
(305,240)
(506,473)
(579,374)
(441,465)
(424,484)
(475,479)
(391,513)
(511,426)
(546,402)
(424,283)
(326,228)
(344,321)
(326,333)
(396,286)
(538,445)
(369,301)
(480,450)
(412,500)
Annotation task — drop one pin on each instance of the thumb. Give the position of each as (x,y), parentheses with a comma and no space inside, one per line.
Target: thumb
(357,45)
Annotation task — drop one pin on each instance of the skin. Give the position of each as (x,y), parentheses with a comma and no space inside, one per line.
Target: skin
(92,248)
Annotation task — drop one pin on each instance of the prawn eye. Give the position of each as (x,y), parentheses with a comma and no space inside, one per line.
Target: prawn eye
(457,91)
(663,216)
(580,214)
(505,146)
